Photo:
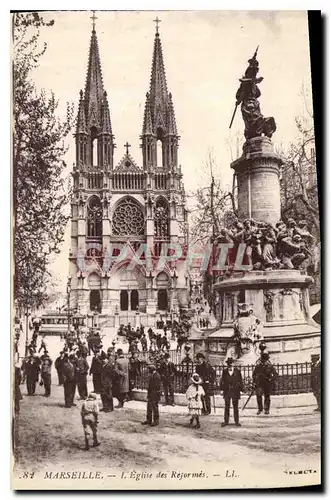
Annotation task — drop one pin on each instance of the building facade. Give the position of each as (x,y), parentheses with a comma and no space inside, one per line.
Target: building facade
(124,214)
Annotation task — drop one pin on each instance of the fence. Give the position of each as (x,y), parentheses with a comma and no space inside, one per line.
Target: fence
(292,378)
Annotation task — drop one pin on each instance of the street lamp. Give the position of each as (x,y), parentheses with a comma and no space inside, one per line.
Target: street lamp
(68,300)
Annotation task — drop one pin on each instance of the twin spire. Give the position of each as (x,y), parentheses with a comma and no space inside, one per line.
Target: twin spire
(93,105)
(159,117)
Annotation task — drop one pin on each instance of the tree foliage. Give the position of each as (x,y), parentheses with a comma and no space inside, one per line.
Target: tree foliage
(299,189)
(212,205)
(39,187)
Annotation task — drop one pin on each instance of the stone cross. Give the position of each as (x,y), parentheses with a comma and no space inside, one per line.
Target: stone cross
(127,146)
(94,18)
(157,21)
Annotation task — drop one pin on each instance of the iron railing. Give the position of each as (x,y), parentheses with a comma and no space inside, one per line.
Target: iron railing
(292,378)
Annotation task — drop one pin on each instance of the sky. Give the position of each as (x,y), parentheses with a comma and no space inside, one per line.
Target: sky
(205,53)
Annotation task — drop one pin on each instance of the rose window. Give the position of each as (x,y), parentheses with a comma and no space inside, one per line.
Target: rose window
(128,219)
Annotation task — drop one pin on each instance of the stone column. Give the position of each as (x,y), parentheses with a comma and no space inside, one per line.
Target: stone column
(257,172)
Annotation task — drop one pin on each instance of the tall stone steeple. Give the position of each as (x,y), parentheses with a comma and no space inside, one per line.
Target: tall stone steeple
(94,130)
(159,117)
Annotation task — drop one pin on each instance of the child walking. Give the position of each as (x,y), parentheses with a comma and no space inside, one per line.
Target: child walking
(90,413)
(193,396)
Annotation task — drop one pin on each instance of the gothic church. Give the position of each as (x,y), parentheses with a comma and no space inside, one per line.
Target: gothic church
(129,203)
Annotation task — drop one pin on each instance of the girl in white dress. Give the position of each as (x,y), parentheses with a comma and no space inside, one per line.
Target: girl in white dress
(193,396)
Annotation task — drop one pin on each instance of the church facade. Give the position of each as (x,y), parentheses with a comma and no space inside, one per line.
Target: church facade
(127,217)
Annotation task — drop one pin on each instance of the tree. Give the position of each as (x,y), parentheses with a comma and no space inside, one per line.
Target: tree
(299,190)
(39,187)
(214,208)
(212,205)
(299,187)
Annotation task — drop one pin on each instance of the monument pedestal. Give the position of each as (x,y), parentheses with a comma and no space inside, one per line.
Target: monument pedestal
(257,173)
(280,300)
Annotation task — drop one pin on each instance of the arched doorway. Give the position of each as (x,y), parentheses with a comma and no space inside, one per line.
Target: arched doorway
(95,300)
(134,300)
(162,299)
(124,300)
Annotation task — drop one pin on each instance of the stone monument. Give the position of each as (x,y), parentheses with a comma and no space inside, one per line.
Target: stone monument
(272,278)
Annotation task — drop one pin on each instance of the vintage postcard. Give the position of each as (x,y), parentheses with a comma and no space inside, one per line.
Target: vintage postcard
(167,282)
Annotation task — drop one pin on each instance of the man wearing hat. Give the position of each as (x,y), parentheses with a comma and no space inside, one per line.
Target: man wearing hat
(107,376)
(46,370)
(58,366)
(208,376)
(31,369)
(168,373)
(82,368)
(90,414)
(153,397)
(232,386)
(264,375)
(316,379)
(95,371)
(69,380)
(122,371)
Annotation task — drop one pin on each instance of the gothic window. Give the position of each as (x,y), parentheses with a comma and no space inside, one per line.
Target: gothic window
(94,218)
(128,218)
(94,147)
(159,153)
(161,219)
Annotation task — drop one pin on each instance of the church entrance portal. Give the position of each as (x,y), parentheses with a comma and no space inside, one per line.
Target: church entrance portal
(95,301)
(162,300)
(124,300)
(129,300)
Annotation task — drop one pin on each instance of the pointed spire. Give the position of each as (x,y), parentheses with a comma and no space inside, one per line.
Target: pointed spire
(158,83)
(81,120)
(94,84)
(172,127)
(105,116)
(147,124)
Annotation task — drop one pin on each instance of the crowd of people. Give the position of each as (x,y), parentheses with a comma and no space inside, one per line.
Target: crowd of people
(115,375)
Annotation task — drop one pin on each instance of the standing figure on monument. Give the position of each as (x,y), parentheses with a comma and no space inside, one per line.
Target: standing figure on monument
(247,95)
(247,335)
(264,375)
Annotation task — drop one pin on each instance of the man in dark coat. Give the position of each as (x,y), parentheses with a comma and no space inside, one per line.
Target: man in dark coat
(95,371)
(316,379)
(17,390)
(164,342)
(208,376)
(153,397)
(46,373)
(143,342)
(58,366)
(134,372)
(69,380)
(168,373)
(264,375)
(31,373)
(122,372)
(82,368)
(107,376)
(232,386)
